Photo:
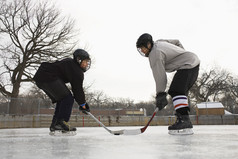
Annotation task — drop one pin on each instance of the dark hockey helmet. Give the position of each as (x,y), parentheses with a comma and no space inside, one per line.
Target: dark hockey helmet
(143,40)
(80,55)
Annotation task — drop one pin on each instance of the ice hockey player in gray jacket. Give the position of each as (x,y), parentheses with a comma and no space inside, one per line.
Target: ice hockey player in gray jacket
(169,56)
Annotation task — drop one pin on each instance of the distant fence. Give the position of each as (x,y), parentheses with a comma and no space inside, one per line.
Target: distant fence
(36,106)
(39,121)
(23,105)
(35,113)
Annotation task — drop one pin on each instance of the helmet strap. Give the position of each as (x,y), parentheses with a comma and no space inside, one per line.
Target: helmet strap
(149,47)
(79,60)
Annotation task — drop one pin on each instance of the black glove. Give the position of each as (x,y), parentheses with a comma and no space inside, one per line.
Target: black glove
(161,100)
(84,110)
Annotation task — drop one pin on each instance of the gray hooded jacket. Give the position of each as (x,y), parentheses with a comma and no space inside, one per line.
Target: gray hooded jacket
(169,56)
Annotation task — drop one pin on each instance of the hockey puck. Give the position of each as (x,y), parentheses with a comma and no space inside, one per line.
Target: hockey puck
(116,134)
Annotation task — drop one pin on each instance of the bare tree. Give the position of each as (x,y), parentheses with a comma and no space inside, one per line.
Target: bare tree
(216,85)
(233,86)
(210,85)
(229,99)
(30,33)
(99,98)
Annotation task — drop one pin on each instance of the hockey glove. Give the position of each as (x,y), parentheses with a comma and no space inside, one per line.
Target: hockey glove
(84,108)
(161,100)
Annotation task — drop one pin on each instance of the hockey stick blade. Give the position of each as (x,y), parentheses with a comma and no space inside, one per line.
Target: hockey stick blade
(141,130)
(125,132)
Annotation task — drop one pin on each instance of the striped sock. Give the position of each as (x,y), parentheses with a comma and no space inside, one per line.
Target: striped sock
(180,101)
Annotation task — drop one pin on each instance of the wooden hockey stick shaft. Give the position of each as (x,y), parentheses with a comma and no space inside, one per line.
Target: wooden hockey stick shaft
(99,122)
(145,127)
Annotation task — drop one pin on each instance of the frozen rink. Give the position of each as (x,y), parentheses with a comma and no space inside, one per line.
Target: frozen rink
(96,143)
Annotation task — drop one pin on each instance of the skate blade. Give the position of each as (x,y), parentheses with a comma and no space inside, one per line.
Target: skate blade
(181,132)
(62,133)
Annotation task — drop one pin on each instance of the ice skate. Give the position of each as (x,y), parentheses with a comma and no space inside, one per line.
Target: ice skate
(62,128)
(182,126)
(52,126)
(62,133)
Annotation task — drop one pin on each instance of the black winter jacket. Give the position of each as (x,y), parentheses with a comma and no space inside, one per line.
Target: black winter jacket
(68,70)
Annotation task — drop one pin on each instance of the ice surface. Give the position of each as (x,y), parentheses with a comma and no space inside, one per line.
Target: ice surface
(96,143)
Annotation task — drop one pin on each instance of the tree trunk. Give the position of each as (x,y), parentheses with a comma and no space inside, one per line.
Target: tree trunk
(14,107)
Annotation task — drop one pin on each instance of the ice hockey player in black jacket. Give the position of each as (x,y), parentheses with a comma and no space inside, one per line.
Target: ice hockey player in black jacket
(52,79)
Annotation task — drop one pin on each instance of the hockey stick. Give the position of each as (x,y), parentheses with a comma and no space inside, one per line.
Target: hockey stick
(126,132)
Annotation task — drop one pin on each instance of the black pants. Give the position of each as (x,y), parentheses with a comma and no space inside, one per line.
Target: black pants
(61,95)
(182,81)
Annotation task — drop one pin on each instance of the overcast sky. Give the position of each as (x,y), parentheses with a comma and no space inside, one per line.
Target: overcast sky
(109,30)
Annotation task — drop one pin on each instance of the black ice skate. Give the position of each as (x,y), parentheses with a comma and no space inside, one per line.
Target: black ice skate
(52,126)
(182,126)
(62,128)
